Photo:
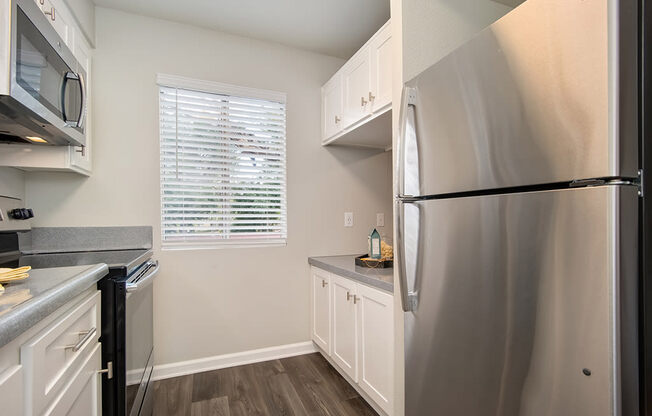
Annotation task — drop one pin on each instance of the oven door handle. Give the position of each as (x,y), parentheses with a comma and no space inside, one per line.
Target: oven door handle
(141,282)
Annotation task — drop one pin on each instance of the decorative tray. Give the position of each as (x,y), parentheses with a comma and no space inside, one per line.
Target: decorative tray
(366,261)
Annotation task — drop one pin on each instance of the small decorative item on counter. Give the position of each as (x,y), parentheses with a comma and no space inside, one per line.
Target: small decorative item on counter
(386,250)
(364,261)
(374,247)
(13,275)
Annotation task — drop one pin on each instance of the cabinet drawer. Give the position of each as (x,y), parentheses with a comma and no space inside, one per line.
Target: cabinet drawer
(82,395)
(56,353)
(11,391)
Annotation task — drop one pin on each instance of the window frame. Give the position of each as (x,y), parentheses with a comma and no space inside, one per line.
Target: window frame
(212,87)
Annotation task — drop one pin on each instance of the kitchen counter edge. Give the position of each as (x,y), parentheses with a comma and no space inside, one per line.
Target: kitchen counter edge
(345,266)
(29,313)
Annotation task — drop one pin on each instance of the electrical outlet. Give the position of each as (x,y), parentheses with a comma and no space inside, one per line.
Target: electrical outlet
(380,219)
(348,219)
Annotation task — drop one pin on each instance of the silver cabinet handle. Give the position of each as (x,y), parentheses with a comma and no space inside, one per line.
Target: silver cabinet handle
(87,335)
(363,102)
(348,296)
(108,370)
(52,14)
(355,299)
(337,119)
(323,283)
(81,150)
(371,97)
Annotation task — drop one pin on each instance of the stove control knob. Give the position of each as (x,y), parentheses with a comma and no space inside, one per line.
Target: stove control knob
(21,213)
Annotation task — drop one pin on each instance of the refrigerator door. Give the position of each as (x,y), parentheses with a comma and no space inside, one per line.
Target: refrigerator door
(547,94)
(523,304)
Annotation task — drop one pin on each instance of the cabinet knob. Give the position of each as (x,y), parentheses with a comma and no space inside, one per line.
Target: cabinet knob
(323,283)
(52,14)
(371,97)
(363,102)
(337,119)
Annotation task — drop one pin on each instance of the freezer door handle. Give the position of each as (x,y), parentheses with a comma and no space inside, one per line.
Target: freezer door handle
(408,294)
(407,145)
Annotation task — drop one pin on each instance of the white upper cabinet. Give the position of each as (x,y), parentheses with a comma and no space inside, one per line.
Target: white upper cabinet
(356,101)
(58,158)
(332,106)
(356,82)
(381,69)
(80,157)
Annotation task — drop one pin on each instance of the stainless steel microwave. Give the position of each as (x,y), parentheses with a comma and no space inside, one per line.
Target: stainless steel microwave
(42,85)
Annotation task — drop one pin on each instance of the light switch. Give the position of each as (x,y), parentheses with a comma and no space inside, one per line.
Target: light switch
(380,219)
(348,219)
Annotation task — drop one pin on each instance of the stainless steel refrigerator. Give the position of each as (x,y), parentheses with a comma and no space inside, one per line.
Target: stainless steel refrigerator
(518,217)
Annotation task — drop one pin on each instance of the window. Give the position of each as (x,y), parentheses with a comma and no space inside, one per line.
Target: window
(223,164)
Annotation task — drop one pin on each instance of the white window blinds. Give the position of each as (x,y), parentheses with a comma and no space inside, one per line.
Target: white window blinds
(223,165)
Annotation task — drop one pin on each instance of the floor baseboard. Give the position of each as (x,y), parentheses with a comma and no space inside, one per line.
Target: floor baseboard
(217,362)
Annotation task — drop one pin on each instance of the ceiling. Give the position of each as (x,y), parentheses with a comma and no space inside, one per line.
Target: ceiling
(331,27)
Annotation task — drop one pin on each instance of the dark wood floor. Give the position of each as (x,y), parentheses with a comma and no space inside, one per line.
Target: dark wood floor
(302,385)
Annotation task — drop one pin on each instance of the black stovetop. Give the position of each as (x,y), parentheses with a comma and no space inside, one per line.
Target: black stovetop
(120,262)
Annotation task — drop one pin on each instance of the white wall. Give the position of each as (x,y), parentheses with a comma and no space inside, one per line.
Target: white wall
(434,28)
(12,183)
(212,302)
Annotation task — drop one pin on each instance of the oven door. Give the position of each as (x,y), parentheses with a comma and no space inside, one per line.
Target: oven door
(45,76)
(139,343)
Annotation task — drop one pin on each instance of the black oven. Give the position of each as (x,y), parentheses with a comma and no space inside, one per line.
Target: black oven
(127,328)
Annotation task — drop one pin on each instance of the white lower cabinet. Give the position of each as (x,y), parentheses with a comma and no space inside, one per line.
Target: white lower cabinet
(83,394)
(376,344)
(345,326)
(11,391)
(361,333)
(321,315)
(52,369)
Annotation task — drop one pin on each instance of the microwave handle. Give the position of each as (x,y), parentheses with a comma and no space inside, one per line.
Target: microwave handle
(82,90)
(71,75)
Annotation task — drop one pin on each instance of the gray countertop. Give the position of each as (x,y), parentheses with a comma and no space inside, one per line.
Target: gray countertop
(345,266)
(23,304)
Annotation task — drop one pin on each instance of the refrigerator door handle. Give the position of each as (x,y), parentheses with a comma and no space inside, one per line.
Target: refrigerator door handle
(408,295)
(408,104)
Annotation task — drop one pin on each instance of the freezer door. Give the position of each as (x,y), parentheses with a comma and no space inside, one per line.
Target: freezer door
(523,304)
(547,94)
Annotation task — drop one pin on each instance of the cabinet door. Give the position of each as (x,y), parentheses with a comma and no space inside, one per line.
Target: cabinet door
(332,107)
(381,69)
(12,391)
(376,345)
(345,323)
(355,78)
(80,157)
(83,395)
(321,309)
(59,19)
